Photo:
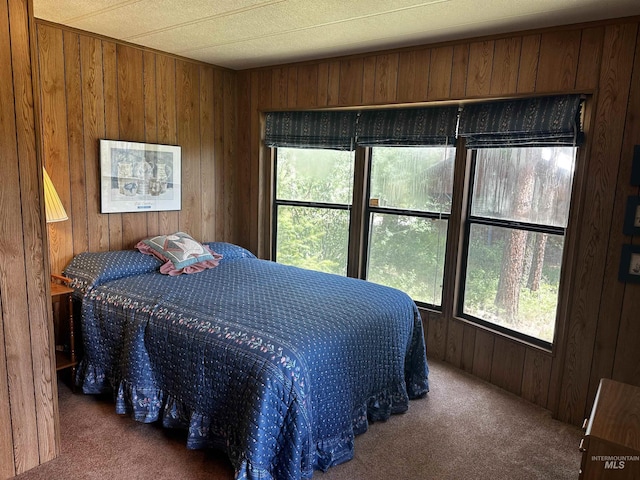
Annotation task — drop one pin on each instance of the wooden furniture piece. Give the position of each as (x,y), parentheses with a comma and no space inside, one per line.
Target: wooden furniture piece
(62,303)
(611,445)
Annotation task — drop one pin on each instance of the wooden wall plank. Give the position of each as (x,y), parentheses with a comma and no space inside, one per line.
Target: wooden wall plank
(333,84)
(483,354)
(54,131)
(468,348)
(187,96)
(209,195)
(386,78)
(351,71)
(112,126)
(243,171)
(130,93)
(230,100)
(255,180)
(615,77)
(413,75)
(307,86)
(168,222)
(93,111)
(436,335)
(73,191)
(292,87)
(455,336)
(368,80)
(480,66)
(7,464)
(305,93)
(507,365)
(131,118)
(459,71)
(150,122)
(535,376)
(264,161)
(13,275)
(279,84)
(218,154)
(558,65)
(626,366)
(529,60)
(440,73)
(323,83)
(504,77)
(616,353)
(590,58)
(44,388)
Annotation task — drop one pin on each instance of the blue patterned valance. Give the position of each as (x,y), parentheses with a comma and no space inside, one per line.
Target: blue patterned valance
(311,129)
(541,121)
(408,126)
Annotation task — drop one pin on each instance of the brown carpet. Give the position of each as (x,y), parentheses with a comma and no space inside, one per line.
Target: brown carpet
(464,429)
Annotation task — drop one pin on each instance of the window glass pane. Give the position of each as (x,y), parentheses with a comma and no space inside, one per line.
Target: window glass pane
(541,177)
(313,238)
(512,279)
(407,253)
(413,178)
(313,175)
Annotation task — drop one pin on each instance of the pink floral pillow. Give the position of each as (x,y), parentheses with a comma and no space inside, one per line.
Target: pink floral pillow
(180,252)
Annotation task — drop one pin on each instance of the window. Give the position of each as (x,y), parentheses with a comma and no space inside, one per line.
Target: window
(371,194)
(518,212)
(409,208)
(313,194)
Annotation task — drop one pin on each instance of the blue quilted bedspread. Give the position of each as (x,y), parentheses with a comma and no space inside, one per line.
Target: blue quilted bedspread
(280,367)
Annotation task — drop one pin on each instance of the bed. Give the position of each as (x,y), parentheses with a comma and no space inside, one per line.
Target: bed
(278,366)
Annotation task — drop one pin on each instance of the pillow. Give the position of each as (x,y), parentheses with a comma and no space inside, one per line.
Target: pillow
(180,252)
(90,269)
(229,251)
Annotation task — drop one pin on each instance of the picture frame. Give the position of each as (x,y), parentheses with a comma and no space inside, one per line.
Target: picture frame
(630,264)
(631,225)
(635,166)
(139,177)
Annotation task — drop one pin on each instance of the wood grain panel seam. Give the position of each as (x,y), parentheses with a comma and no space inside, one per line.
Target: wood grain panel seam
(82,116)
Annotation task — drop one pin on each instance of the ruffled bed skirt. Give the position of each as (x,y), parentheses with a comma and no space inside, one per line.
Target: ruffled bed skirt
(149,405)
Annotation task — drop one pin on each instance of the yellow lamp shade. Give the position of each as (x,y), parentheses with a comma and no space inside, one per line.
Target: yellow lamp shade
(53,208)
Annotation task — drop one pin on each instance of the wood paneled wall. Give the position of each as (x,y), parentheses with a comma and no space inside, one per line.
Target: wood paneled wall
(600,333)
(29,431)
(94,88)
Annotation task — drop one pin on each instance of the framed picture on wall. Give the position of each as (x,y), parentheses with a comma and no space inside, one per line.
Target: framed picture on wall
(630,264)
(632,217)
(139,177)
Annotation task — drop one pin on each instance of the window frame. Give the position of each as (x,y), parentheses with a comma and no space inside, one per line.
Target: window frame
(468,220)
(370,210)
(275,203)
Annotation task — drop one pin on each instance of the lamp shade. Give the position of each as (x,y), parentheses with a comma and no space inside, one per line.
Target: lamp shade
(53,208)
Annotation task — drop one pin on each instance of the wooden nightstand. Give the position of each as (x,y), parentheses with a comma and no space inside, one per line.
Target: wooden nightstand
(62,303)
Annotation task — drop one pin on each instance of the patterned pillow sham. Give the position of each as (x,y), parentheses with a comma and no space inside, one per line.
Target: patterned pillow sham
(229,251)
(90,269)
(180,252)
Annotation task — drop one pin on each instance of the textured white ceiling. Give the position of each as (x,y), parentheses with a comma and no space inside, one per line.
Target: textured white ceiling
(243,34)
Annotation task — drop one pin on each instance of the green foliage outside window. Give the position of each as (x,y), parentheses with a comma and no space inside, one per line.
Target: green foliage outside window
(512,275)
(309,237)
